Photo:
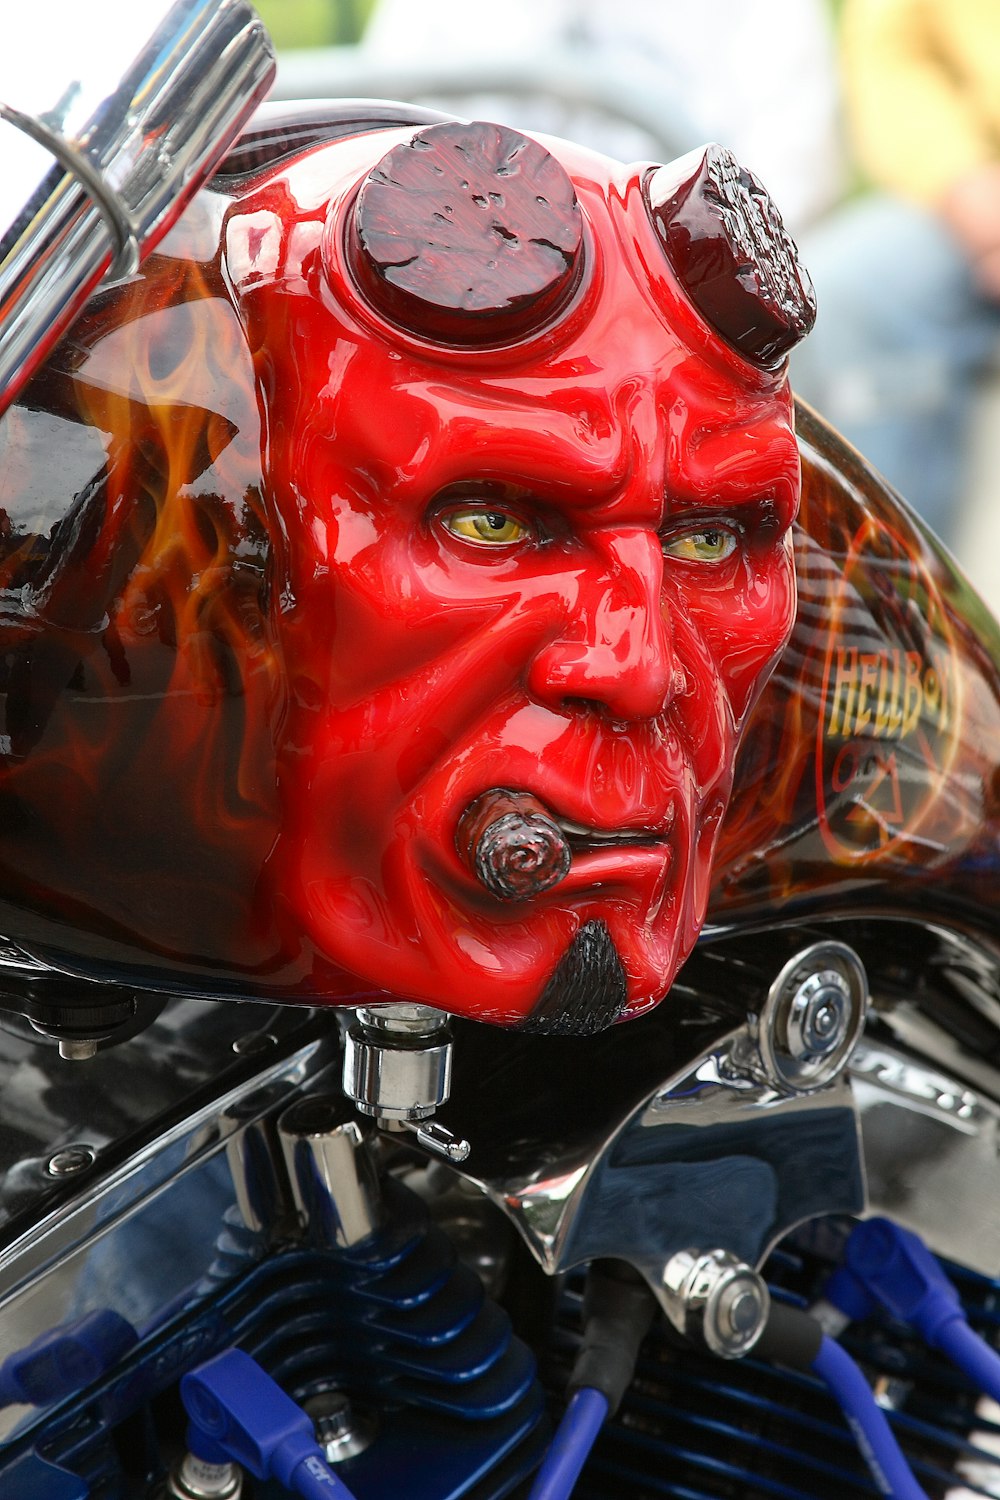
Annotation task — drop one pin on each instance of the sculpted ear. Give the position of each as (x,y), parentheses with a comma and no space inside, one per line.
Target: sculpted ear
(467,234)
(731,253)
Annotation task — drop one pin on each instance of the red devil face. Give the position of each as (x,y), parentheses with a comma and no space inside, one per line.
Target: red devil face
(535,542)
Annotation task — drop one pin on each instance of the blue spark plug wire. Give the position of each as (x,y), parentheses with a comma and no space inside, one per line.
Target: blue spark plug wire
(866,1420)
(795,1339)
(618,1309)
(575,1436)
(238,1414)
(889,1267)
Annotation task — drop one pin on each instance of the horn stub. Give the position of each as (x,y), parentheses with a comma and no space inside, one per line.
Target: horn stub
(467,234)
(728,247)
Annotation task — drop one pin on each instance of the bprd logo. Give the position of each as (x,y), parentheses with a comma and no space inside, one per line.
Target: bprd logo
(886,728)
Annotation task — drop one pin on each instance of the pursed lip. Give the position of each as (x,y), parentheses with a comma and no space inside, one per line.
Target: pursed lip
(635,859)
(613,841)
(617,865)
(582,837)
(629,829)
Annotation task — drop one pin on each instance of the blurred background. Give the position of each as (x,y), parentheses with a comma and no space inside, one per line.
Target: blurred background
(875,124)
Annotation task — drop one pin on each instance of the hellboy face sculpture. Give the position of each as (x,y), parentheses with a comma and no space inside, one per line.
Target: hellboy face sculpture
(441,632)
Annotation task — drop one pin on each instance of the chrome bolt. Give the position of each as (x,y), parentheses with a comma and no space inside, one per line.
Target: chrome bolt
(819,1016)
(742,1311)
(341,1430)
(397,1068)
(70,1160)
(736,1320)
(825,1021)
(435,1138)
(812,1018)
(397,1062)
(714,1299)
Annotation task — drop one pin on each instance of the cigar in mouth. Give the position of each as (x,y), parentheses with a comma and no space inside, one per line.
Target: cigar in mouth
(512,844)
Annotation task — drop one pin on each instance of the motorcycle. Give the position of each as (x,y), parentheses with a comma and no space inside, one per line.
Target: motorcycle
(461,954)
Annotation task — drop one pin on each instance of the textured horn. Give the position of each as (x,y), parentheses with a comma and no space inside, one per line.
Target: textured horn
(730,251)
(467,234)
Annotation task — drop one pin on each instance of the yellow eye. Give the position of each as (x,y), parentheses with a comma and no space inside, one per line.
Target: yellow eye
(494,527)
(709,544)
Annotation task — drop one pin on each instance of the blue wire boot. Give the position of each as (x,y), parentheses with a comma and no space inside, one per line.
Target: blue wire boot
(66,1359)
(237,1412)
(891,1267)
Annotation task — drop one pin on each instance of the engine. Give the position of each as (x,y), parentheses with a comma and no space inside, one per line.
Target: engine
(206,1185)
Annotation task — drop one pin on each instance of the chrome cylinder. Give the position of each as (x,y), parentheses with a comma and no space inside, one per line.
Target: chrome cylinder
(397,1062)
(333,1179)
(111,116)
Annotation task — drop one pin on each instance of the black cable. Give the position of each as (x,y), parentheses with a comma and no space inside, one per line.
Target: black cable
(618,1309)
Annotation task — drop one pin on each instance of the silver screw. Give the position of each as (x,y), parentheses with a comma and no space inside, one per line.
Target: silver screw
(434,1137)
(819,1015)
(743,1313)
(70,1160)
(716,1300)
(254,1042)
(825,1020)
(78,1049)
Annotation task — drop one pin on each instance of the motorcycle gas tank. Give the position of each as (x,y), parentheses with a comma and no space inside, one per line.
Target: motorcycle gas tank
(145,697)
(868,778)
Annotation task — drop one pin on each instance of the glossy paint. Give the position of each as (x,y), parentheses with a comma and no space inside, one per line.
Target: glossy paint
(869,777)
(288,588)
(578,659)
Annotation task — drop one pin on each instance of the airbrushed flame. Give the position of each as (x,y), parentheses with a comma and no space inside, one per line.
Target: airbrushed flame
(873,787)
(156,587)
(198,582)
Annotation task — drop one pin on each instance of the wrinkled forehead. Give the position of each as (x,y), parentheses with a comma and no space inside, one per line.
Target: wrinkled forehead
(466,290)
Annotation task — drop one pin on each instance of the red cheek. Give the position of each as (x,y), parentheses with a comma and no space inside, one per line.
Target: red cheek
(745,626)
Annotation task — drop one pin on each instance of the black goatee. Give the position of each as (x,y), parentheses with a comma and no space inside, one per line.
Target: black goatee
(586,990)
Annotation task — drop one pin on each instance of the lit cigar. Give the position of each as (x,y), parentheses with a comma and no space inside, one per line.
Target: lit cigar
(512,844)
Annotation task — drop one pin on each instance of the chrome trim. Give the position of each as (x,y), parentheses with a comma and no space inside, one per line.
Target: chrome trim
(162,1216)
(711,1157)
(932,1154)
(331,1172)
(100,161)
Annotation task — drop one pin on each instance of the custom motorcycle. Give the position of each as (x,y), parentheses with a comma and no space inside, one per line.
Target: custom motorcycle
(500,992)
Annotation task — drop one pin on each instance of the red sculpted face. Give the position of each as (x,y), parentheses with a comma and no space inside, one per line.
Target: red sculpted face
(559,567)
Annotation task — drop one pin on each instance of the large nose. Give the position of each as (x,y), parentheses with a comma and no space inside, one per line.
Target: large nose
(616,651)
